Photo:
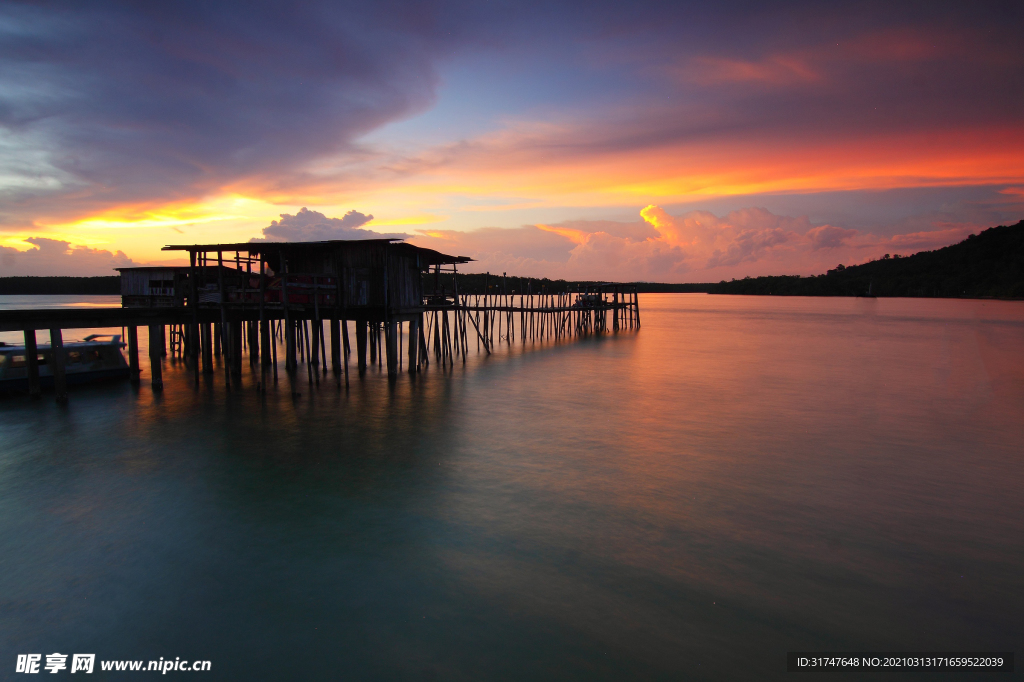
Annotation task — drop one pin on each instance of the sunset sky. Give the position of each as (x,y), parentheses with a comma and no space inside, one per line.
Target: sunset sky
(622,141)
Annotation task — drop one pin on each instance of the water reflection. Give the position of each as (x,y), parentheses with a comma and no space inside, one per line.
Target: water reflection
(766,473)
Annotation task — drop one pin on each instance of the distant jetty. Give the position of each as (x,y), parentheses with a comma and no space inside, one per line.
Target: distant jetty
(468,283)
(986,265)
(240,299)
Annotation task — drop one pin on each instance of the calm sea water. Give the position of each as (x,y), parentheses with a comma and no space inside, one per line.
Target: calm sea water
(740,478)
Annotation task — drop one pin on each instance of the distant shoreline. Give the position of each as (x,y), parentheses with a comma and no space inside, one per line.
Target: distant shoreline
(60,286)
(989,265)
(468,283)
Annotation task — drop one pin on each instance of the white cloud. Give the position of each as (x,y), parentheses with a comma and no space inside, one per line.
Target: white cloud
(313,226)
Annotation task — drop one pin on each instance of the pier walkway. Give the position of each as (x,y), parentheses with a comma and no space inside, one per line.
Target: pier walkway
(307,295)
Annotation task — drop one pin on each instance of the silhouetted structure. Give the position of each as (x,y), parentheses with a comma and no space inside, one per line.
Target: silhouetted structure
(248,296)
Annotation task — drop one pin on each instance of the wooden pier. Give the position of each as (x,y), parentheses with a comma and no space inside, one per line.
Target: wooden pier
(237,300)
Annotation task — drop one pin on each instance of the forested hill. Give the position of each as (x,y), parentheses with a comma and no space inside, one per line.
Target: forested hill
(990,264)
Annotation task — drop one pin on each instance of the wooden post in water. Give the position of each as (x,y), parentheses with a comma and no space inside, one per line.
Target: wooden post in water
(265,352)
(615,310)
(290,362)
(316,327)
(424,355)
(133,354)
(374,342)
(235,354)
(273,349)
(193,331)
(335,345)
(207,334)
(254,343)
(32,361)
(391,344)
(361,344)
(60,379)
(156,348)
(414,345)
(230,332)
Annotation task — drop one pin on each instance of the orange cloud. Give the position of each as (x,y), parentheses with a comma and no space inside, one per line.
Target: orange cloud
(575,236)
(694,246)
(775,70)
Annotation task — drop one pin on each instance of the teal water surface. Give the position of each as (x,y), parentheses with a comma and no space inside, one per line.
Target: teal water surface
(740,478)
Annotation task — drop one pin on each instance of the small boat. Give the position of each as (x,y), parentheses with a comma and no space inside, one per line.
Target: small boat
(587,301)
(871,285)
(95,358)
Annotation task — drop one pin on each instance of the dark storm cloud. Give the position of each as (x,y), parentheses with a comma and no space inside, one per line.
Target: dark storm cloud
(138,101)
(107,103)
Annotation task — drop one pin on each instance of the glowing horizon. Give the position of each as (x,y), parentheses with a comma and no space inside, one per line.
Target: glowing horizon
(522,152)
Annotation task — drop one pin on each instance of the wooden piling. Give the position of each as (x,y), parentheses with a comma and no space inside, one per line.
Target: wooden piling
(317,329)
(265,343)
(207,341)
(156,348)
(414,345)
(361,329)
(193,332)
(235,354)
(254,343)
(423,354)
(615,311)
(335,345)
(60,379)
(32,362)
(133,354)
(230,332)
(273,350)
(374,342)
(391,344)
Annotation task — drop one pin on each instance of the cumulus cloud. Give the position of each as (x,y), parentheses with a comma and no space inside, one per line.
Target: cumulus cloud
(697,246)
(829,236)
(56,257)
(313,226)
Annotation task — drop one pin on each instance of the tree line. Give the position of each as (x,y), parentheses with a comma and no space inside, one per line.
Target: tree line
(986,265)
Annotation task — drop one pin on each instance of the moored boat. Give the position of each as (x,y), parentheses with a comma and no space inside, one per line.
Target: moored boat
(95,358)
